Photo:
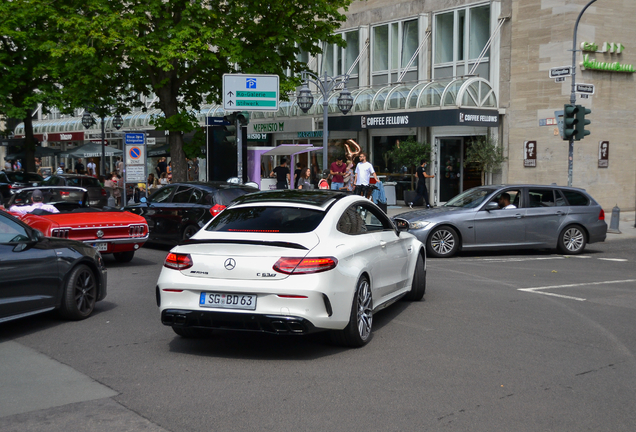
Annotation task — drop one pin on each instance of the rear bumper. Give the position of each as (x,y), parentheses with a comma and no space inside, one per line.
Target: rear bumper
(273,324)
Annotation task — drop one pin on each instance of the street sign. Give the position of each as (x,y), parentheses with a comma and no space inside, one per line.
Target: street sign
(135,138)
(559,119)
(561,71)
(243,92)
(135,155)
(587,89)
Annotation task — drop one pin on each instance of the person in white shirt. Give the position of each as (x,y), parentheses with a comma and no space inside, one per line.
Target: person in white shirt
(504,202)
(37,198)
(364,171)
(90,166)
(60,169)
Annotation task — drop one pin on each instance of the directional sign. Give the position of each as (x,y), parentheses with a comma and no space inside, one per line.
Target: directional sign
(587,89)
(560,71)
(134,138)
(243,92)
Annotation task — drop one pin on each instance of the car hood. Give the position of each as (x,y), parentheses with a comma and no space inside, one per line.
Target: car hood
(433,213)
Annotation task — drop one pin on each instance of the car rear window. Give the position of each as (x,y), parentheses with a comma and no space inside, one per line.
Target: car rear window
(90,182)
(287,220)
(226,196)
(17,176)
(575,198)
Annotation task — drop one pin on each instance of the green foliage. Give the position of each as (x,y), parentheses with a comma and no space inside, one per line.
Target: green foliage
(484,155)
(410,153)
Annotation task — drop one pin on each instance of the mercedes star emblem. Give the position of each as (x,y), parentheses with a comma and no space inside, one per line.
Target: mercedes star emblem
(230,264)
(100,233)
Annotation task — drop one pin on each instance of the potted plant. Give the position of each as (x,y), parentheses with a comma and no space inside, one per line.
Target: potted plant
(408,154)
(484,155)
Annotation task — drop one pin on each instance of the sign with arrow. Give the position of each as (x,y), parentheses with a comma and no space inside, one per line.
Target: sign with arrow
(242,92)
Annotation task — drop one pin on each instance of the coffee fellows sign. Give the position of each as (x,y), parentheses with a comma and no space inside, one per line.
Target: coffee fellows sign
(607,47)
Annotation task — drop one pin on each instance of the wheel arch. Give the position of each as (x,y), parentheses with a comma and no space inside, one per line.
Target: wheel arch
(451,225)
(91,265)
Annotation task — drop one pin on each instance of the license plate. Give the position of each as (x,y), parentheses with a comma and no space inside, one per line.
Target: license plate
(102,247)
(227,301)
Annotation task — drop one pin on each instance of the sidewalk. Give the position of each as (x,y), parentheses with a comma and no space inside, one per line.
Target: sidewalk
(626,225)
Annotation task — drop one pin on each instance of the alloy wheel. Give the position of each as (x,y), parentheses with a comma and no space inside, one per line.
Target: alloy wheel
(365,310)
(443,241)
(85,289)
(573,239)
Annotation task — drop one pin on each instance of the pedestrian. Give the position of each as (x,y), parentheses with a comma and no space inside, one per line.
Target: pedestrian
(282,174)
(17,165)
(161,167)
(79,166)
(195,169)
(8,166)
(92,168)
(364,171)
(169,171)
(421,184)
(348,177)
(163,180)
(337,171)
(297,174)
(304,179)
(60,168)
(119,166)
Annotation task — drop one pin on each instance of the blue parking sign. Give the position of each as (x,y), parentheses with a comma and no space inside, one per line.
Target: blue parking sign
(250,83)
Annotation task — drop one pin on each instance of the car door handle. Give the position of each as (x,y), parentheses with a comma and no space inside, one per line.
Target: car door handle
(518,215)
(560,213)
(382,243)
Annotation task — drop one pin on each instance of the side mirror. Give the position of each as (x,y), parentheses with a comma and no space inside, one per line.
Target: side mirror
(491,206)
(36,235)
(401,224)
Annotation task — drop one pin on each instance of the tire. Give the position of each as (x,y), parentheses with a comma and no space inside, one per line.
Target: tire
(358,332)
(124,257)
(80,294)
(442,242)
(418,287)
(572,240)
(189,332)
(189,231)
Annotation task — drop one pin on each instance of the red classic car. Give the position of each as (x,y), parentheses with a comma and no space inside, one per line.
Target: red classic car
(109,230)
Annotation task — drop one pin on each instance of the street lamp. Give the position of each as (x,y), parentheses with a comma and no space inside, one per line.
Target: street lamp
(326,85)
(88,121)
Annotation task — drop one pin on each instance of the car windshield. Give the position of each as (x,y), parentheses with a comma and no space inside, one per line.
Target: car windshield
(287,220)
(470,199)
(65,199)
(21,177)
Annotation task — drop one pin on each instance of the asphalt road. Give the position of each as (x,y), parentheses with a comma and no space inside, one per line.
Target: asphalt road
(503,342)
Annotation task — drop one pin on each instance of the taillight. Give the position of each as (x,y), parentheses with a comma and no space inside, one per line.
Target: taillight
(305,265)
(60,233)
(178,261)
(601,215)
(136,230)
(104,192)
(63,193)
(216,209)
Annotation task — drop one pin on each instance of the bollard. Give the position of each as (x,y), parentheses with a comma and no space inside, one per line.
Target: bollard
(616,217)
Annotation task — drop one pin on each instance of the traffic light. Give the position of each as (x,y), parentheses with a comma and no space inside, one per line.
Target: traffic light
(243,117)
(582,122)
(230,129)
(570,120)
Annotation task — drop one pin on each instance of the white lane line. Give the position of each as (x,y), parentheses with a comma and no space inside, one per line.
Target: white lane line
(614,259)
(519,259)
(537,290)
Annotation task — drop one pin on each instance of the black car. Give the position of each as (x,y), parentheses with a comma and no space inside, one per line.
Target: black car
(40,274)
(96,193)
(177,211)
(13,181)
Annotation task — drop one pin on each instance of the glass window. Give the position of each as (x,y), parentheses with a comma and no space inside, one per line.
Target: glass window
(479,30)
(395,50)
(541,198)
(162,195)
(575,198)
(380,48)
(360,219)
(352,51)
(410,42)
(470,199)
(182,195)
(444,38)
(258,219)
(329,60)
(11,231)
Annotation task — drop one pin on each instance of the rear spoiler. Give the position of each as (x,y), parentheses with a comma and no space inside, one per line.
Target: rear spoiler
(280,244)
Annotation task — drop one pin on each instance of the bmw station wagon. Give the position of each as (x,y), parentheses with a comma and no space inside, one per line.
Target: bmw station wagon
(539,217)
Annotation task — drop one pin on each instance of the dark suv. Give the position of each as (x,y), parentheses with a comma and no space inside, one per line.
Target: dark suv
(97,195)
(177,211)
(13,181)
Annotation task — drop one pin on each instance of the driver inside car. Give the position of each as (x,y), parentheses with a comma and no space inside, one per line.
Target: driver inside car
(37,197)
(504,202)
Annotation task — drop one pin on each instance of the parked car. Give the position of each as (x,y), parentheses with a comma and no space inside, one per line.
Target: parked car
(96,193)
(39,274)
(13,181)
(108,230)
(543,217)
(177,211)
(291,262)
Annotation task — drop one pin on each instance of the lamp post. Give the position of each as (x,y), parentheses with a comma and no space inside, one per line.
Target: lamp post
(326,85)
(88,121)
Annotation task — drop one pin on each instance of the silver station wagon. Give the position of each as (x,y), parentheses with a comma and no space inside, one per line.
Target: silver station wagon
(509,217)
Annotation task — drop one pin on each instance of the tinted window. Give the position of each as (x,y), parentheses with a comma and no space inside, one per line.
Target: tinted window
(226,196)
(53,181)
(287,220)
(514,195)
(90,182)
(359,219)
(17,176)
(471,198)
(162,194)
(182,195)
(73,181)
(575,198)
(11,231)
(541,198)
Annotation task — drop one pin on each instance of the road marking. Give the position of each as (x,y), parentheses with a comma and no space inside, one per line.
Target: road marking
(519,259)
(536,290)
(614,259)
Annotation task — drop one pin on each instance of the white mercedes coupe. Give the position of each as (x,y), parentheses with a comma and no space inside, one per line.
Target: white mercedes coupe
(291,262)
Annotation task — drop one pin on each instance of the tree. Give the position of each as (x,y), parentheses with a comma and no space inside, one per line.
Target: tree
(179,50)
(486,157)
(409,153)
(28,75)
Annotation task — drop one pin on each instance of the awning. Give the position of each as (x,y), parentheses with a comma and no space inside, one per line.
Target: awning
(163,150)
(91,150)
(39,152)
(290,149)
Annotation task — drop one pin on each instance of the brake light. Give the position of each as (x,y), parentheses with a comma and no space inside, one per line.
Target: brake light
(178,261)
(216,209)
(63,193)
(601,215)
(104,192)
(305,265)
